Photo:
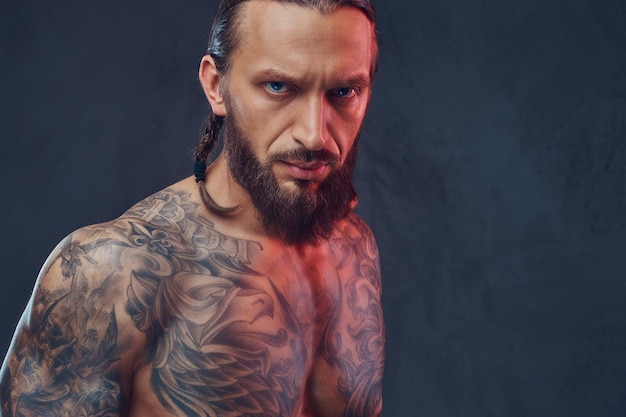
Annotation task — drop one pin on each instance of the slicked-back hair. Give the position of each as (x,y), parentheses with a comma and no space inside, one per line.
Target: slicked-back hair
(223,41)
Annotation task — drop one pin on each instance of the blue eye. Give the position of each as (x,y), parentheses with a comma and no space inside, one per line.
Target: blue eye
(276,87)
(345,92)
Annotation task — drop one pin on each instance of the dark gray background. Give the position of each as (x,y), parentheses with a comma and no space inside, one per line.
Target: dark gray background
(492,171)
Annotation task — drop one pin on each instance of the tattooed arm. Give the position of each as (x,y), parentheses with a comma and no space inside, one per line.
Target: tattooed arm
(70,347)
(350,361)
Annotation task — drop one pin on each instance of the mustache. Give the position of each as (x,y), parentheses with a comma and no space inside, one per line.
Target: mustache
(306,155)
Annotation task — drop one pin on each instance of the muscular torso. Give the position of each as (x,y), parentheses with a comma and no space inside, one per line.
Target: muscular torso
(162,313)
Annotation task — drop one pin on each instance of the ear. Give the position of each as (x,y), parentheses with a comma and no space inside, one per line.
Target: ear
(211,80)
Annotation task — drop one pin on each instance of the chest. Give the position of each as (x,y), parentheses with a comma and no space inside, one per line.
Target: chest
(228,341)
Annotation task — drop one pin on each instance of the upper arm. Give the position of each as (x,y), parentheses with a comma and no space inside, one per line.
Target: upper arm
(353,349)
(70,347)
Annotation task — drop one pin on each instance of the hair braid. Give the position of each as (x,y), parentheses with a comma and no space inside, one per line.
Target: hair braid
(209,139)
(202,153)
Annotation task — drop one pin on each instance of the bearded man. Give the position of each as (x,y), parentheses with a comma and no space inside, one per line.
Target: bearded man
(250,288)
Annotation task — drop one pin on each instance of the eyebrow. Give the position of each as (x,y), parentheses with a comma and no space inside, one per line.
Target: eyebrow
(274,74)
(358,80)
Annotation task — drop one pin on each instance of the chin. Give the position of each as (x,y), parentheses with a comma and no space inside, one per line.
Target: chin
(302,186)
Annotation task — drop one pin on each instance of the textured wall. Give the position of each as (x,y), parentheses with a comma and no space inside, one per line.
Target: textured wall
(492,170)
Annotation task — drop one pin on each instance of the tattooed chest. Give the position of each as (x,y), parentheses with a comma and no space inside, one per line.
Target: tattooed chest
(220,347)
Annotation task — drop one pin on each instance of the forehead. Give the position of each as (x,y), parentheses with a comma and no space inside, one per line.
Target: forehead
(301,38)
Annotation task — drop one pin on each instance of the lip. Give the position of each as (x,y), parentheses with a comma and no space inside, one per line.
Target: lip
(307,171)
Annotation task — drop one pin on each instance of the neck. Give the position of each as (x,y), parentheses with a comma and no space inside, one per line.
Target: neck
(226,192)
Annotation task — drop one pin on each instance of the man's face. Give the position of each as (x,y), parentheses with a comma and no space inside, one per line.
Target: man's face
(296,91)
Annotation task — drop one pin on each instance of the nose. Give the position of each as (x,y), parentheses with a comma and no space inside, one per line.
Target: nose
(310,125)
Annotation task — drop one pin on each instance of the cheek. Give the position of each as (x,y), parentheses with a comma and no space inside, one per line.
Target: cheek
(265,138)
(261,121)
(240,109)
(345,132)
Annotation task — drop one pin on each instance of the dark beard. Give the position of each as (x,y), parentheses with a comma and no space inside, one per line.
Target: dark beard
(305,215)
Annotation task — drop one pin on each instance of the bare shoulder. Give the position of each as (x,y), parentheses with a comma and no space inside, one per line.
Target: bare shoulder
(355,252)
(77,343)
(71,342)
(354,241)
(94,261)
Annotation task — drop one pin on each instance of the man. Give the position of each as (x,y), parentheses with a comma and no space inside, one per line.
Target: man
(251,289)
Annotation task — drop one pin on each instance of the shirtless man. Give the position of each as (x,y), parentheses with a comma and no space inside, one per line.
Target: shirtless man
(249,289)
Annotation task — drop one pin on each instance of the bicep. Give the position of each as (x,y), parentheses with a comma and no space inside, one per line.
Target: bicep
(355,340)
(64,357)
(359,348)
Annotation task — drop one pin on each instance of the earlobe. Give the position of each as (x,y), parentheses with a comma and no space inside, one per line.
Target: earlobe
(211,79)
